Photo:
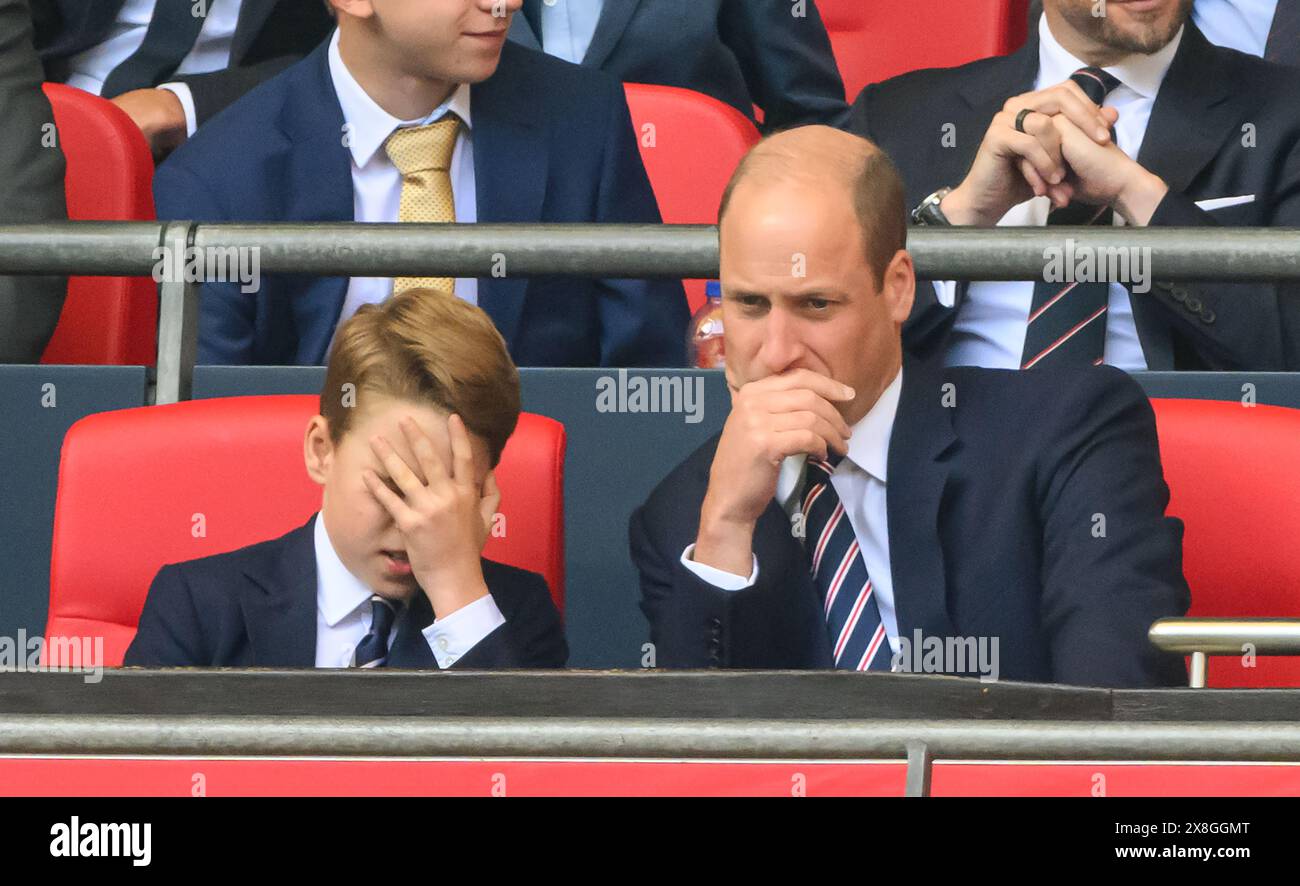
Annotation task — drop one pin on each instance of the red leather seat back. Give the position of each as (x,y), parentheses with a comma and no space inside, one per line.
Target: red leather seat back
(1234,478)
(105,320)
(878,39)
(140,488)
(690,144)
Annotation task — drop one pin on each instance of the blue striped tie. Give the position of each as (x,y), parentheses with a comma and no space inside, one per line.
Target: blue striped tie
(372,651)
(857,635)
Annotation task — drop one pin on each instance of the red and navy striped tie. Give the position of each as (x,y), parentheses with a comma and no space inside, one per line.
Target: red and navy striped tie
(1067,322)
(857,635)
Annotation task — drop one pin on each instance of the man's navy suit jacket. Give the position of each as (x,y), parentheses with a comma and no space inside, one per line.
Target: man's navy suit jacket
(553,142)
(1224,125)
(742,52)
(256,607)
(1026,506)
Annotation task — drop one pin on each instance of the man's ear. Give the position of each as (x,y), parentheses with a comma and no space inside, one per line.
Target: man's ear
(318,449)
(900,286)
(354,8)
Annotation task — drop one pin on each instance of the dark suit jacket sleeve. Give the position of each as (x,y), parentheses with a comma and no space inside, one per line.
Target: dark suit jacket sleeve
(643,322)
(31,186)
(226,315)
(1256,326)
(170,633)
(215,91)
(787,62)
(682,609)
(532,636)
(696,625)
(1112,561)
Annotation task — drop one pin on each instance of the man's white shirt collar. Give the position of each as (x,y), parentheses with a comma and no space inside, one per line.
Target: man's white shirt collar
(868,445)
(369,125)
(1141,73)
(338,592)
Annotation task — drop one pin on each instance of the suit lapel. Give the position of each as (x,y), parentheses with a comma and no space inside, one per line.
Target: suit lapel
(984,96)
(280,605)
(510,169)
(1189,122)
(317,183)
(609,30)
(1191,116)
(252,15)
(918,475)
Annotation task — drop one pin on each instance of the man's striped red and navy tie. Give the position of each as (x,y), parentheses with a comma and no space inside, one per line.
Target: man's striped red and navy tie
(1067,321)
(857,635)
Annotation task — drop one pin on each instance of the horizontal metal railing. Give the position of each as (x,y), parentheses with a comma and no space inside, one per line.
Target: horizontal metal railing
(355,249)
(1202,637)
(494,250)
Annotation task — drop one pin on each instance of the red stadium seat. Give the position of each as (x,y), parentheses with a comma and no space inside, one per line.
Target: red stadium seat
(139,488)
(1234,481)
(690,144)
(105,320)
(879,39)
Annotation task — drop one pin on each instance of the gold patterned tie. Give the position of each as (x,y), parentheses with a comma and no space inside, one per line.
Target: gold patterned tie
(422,154)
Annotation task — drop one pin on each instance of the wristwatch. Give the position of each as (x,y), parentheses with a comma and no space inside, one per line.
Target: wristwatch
(929,213)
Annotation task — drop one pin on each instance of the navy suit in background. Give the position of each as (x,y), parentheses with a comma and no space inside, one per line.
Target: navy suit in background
(1211,99)
(992,512)
(256,607)
(553,142)
(270,35)
(742,52)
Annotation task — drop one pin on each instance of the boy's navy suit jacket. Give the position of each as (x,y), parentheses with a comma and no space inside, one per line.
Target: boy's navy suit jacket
(256,607)
(553,142)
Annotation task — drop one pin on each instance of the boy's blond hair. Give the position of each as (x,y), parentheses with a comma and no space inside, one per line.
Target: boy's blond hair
(425,347)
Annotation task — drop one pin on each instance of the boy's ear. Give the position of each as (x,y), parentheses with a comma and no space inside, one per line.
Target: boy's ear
(318,449)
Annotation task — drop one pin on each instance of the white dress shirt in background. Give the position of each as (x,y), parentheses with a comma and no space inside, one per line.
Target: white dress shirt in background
(343,614)
(860,482)
(211,52)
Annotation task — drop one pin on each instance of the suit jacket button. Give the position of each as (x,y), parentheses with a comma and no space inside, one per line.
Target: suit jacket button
(1194,304)
(1165,287)
(1178,294)
(1207,316)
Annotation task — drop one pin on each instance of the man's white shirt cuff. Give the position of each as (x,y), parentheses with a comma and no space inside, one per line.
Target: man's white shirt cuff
(725,581)
(182,92)
(451,637)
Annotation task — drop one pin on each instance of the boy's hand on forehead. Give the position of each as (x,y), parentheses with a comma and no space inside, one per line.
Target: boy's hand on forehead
(439,511)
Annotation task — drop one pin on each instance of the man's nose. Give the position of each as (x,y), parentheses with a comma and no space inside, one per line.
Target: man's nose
(781,348)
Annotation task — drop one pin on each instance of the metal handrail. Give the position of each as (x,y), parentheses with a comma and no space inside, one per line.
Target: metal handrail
(495,250)
(1202,637)
(357,249)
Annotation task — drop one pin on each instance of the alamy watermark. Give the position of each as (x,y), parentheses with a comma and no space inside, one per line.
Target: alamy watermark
(78,655)
(919,654)
(1087,264)
(652,393)
(210,264)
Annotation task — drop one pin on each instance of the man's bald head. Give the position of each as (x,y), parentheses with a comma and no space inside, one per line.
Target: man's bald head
(830,161)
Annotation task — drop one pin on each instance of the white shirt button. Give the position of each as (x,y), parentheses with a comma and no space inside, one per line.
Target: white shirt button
(442,643)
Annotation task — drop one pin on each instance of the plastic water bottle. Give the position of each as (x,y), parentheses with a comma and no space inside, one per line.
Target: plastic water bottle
(704,336)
